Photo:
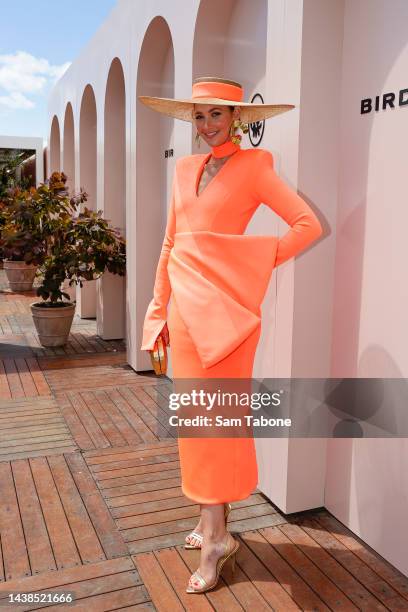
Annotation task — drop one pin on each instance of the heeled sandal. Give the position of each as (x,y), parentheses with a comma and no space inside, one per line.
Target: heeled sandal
(199,536)
(228,554)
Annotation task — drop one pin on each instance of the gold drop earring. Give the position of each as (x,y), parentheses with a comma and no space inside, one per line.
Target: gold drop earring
(237,123)
(197,139)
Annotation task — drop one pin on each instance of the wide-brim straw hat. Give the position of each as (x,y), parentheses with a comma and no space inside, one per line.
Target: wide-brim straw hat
(217,91)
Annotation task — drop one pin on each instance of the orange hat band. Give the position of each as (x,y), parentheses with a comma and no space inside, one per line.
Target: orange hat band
(210,89)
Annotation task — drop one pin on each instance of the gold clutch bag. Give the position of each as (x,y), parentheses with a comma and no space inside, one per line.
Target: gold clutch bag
(159,356)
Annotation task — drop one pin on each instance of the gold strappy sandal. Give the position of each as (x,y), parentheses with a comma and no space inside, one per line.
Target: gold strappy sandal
(199,536)
(229,554)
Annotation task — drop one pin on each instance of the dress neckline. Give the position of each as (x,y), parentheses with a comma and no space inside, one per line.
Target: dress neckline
(201,170)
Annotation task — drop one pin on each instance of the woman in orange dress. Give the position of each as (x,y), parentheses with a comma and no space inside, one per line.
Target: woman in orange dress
(217,278)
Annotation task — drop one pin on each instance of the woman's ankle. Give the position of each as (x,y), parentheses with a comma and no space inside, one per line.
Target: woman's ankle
(215,536)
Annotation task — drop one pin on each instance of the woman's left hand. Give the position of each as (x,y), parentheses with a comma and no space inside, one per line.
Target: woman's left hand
(165,334)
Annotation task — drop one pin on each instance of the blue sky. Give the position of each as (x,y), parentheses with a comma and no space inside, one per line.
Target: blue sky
(38,41)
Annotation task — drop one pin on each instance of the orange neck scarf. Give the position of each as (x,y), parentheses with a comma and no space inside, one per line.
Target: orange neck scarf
(226,148)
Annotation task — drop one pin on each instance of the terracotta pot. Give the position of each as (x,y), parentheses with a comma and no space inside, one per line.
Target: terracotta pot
(53,324)
(20,275)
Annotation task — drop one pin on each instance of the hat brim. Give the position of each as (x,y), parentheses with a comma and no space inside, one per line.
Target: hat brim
(182,109)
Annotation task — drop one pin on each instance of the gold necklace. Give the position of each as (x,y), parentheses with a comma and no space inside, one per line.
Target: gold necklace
(223,160)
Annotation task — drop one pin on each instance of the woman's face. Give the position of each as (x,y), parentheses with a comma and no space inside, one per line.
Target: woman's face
(213,122)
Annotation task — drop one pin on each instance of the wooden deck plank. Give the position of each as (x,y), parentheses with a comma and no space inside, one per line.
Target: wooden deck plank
(137,479)
(81,361)
(120,421)
(118,600)
(91,377)
(154,402)
(8,417)
(78,431)
(15,558)
(5,391)
(140,420)
(157,584)
(126,500)
(63,545)
(2,576)
(150,506)
(142,471)
(88,420)
(149,412)
(103,419)
(127,454)
(27,381)
(80,524)
(13,378)
(100,452)
(152,485)
(162,456)
(15,435)
(35,532)
(38,376)
(18,440)
(51,580)
(13,404)
(38,451)
(103,522)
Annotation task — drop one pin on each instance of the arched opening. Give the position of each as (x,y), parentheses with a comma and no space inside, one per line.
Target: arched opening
(68,156)
(86,297)
(55,146)
(111,315)
(154,160)
(68,166)
(230,41)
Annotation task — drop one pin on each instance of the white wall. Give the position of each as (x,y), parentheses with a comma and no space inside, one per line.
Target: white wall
(366,485)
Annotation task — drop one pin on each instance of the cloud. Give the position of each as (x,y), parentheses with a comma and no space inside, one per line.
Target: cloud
(16,100)
(22,74)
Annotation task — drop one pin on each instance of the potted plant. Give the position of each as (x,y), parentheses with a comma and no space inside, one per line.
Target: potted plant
(9,180)
(31,217)
(81,249)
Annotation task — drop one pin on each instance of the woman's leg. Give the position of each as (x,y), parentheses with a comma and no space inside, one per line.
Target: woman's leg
(214,531)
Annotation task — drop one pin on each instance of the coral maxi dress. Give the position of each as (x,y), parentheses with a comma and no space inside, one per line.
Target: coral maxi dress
(217,278)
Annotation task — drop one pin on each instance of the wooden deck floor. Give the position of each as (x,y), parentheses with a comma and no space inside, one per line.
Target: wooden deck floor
(91,499)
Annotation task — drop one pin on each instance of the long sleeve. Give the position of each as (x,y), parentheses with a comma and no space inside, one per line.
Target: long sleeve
(275,193)
(156,314)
